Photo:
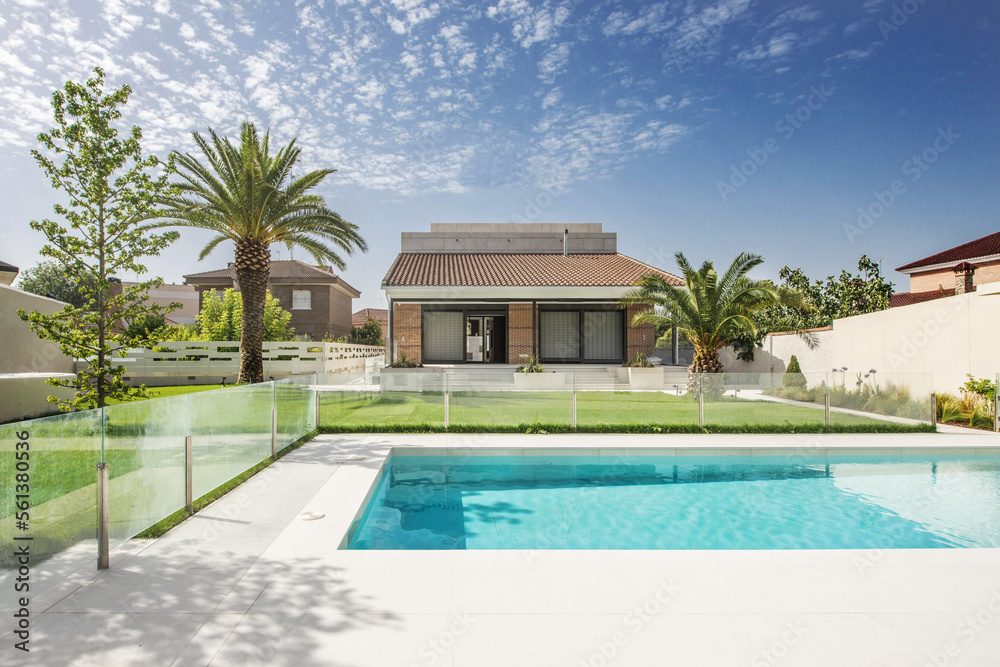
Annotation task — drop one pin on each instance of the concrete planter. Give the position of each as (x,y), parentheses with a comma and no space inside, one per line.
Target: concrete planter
(539,381)
(412,379)
(646,378)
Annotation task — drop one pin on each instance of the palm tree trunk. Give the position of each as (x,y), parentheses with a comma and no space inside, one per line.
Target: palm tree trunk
(253,267)
(705,361)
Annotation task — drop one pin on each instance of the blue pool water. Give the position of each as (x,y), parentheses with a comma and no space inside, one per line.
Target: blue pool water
(539,502)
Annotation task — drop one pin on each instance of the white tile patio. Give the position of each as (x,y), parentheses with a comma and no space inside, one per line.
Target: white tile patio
(247,583)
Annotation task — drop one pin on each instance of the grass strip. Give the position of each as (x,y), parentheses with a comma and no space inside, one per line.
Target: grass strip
(160,528)
(544,429)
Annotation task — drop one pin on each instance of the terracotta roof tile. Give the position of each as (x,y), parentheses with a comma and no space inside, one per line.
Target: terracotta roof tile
(517,270)
(379,314)
(984,247)
(291,268)
(911,298)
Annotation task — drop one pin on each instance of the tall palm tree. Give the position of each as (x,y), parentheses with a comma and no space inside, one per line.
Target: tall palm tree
(709,310)
(247,195)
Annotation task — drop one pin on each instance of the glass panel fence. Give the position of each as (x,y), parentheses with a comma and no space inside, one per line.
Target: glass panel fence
(231,430)
(903,398)
(294,401)
(402,397)
(59,478)
(144,447)
(500,398)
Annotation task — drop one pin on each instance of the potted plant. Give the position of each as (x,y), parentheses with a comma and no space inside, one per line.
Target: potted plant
(532,375)
(642,374)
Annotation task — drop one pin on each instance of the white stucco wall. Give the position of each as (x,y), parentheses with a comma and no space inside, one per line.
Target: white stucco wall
(778,349)
(947,337)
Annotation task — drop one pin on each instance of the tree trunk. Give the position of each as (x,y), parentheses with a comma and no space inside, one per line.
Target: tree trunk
(705,361)
(253,267)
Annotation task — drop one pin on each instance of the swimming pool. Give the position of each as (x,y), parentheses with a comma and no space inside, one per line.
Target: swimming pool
(682,502)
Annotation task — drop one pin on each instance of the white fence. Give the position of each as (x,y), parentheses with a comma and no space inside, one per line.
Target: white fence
(201,359)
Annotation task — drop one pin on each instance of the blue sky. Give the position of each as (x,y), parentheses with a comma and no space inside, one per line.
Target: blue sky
(709,128)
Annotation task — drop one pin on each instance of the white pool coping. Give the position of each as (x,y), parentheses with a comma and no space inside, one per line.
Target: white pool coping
(245,582)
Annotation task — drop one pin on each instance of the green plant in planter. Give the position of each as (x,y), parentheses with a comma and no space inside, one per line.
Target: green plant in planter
(404,362)
(793,375)
(532,366)
(638,361)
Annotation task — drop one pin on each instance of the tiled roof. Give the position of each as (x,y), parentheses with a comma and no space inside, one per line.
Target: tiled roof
(984,247)
(910,298)
(517,270)
(379,314)
(291,268)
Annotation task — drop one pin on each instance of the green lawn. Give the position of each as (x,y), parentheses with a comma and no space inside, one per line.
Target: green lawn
(160,392)
(597,408)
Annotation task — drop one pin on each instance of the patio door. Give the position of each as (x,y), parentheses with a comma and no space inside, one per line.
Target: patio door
(484,339)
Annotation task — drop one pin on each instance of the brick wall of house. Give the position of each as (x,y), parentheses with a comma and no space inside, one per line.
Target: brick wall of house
(340,312)
(986,272)
(406,325)
(634,342)
(314,322)
(518,332)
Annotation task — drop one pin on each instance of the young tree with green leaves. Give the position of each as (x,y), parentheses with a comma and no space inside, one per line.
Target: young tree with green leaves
(843,296)
(247,195)
(369,333)
(111,187)
(221,317)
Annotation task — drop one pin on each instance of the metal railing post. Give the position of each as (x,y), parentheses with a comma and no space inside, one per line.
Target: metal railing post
(189,473)
(274,433)
(103,518)
(574,408)
(826,406)
(701,402)
(447,401)
(317,407)
(996,405)
(934,408)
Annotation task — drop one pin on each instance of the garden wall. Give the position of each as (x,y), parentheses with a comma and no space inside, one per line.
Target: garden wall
(813,348)
(948,337)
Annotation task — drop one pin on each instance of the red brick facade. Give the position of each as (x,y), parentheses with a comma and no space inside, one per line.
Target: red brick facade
(519,327)
(987,272)
(406,326)
(641,338)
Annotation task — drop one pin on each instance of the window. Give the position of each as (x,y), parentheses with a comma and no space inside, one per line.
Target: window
(301,299)
(443,336)
(560,334)
(602,335)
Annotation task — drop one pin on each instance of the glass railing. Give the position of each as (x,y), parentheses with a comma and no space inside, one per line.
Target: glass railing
(613,396)
(48,487)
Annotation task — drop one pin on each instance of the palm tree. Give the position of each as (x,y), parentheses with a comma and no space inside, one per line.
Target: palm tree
(247,195)
(710,311)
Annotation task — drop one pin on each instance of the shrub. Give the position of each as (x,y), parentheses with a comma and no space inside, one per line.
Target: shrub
(532,366)
(404,362)
(793,375)
(638,361)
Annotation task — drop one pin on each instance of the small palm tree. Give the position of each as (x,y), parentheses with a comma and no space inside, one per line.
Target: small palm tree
(247,195)
(709,310)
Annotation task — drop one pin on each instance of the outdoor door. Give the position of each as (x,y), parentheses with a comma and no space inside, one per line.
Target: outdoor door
(484,340)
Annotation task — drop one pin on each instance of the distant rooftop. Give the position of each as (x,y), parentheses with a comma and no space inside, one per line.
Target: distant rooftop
(285,271)
(987,246)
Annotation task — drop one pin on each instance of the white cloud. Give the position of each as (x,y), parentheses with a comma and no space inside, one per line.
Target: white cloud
(553,62)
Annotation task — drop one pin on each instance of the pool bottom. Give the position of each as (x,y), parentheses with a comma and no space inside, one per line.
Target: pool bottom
(651,502)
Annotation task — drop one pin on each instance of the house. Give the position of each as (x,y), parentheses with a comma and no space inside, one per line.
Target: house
(319,300)
(380,315)
(186,295)
(497,293)
(957,270)
(8,272)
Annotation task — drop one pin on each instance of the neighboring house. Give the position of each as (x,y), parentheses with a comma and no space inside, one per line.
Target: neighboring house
(380,315)
(483,293)
(955,271)
(319,300)
(8,272)
(186,295)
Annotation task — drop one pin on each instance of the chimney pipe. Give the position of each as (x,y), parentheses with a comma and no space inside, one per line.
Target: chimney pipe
(565,241)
